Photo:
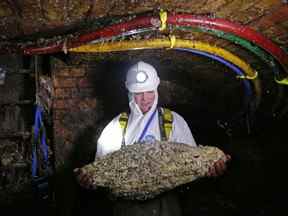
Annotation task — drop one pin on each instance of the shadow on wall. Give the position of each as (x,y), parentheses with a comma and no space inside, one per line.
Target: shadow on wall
(108,78)
(111,96)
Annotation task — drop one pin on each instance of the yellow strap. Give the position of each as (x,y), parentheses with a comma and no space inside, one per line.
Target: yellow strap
(123,120)
(172,41)
(163,18)
(283,81)
(168,120)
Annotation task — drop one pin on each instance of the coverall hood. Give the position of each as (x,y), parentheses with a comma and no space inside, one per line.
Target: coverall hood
(138,120)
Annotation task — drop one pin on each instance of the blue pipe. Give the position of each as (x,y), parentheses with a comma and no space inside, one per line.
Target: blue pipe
(38,125)
(234,68)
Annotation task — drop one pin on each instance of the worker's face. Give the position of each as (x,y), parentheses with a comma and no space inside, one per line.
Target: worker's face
(144,100)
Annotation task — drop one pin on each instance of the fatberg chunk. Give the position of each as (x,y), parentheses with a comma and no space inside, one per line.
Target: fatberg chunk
(143,171)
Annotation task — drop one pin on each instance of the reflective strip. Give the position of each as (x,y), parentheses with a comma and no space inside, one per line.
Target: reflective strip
(167,123)
(168,120)
(147,126)
(123,120)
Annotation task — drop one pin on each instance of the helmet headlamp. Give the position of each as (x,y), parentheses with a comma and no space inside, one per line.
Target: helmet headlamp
(141,77)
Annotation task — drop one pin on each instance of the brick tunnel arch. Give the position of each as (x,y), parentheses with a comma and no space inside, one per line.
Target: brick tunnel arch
(105,74)
(212,102)
(265,50)
(78,107)
(145,26)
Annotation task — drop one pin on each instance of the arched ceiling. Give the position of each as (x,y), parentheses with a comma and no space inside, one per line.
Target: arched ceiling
(256,32)
(31,19)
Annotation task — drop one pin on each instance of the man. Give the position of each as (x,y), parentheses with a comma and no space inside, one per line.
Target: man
(142,82)
(143,125)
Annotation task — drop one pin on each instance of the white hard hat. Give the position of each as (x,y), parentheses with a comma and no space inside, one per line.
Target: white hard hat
(142,77)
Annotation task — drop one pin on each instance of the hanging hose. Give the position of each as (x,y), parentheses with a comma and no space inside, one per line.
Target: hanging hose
(40,181)
(39,136)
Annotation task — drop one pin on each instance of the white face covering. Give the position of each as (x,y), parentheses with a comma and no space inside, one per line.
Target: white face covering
(137,120)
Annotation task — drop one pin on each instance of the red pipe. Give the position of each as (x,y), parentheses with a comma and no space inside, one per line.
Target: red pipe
(178,19)
(109,31)
(234,28)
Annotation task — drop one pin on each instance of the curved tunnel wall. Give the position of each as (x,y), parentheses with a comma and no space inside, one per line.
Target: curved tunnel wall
(177,20)
(99,94)
(252,41)
(244,36)
(76,102)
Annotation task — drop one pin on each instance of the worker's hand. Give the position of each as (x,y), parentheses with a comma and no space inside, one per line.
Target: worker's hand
(219,167)
(82,178)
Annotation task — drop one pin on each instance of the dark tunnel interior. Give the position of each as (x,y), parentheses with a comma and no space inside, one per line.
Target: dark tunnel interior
(213,102)
(223,66)
(221,111)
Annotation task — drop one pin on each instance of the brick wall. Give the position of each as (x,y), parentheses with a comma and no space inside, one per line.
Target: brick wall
(74,113)
(85,97)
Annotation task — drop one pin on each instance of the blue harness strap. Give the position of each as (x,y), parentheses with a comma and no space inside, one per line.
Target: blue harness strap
(147,125)
(165,124)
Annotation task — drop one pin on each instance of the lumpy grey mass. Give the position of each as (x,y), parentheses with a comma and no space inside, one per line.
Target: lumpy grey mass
(142,171)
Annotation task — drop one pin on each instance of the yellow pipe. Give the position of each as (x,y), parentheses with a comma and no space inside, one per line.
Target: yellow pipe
(179,43)
(166,43)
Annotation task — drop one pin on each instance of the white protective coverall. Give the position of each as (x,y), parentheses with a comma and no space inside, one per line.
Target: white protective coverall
(111,137)
(111,140)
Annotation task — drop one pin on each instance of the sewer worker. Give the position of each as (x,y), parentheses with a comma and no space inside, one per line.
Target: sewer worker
(146,123)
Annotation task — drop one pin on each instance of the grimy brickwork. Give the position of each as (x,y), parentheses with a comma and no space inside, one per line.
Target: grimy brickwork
(74,110)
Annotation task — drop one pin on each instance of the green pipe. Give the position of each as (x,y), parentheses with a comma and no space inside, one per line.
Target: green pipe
(264,56)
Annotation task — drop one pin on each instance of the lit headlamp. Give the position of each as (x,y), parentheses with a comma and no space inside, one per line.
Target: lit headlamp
(2,76)
(141,77)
